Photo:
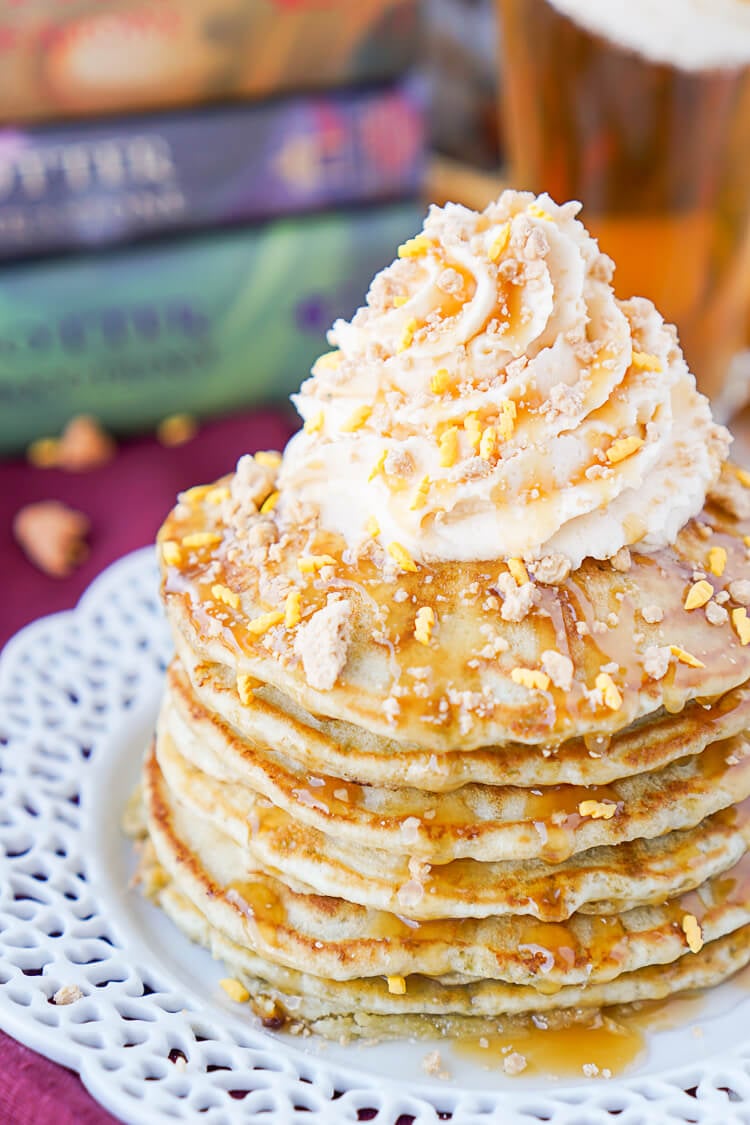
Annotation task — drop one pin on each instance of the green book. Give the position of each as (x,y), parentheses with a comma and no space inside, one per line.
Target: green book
(200,324)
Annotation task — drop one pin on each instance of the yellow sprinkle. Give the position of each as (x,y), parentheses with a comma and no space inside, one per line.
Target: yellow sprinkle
(268,458)
(202,539)
(598,810)
(717,560)
(292,613)
(44,452)
(698,594)
(414,247)
(225,595)
(610,691)
(423,624)
(259,625)
(310,564)
(357,420)
(217,495)
(440,381)
(473,428)
(399,301)
(269,503)
(741,624)
(408,336)
(397,985)
(645,361)
(171,553)
(693,933)
(401,556)
(535,681)
(488,443)
(314,424)
(538,212)
(519,571)
(329,359)
(506,422)
(176,429)
(622,448)
(234,990)
(686,657)
(499,242)
(420,496)
(245,685)
(449,447)
(372,527)
(378,466)
(743,476)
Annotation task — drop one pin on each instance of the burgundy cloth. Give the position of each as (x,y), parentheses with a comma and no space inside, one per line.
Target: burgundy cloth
(126,501)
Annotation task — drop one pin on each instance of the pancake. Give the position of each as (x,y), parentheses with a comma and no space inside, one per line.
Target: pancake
(327,746)
(479,822)
(467,699)
(336,940)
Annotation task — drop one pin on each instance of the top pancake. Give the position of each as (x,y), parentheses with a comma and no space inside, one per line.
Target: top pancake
(457,691)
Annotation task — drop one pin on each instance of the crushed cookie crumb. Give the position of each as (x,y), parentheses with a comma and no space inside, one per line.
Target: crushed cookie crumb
(652,614)
(739,591)
(514,1063)
(518,601)
(551,570)
(322,643)
(559,668)
(432,1064)
(716,614)
(621,561)
(656,660)
(67,994)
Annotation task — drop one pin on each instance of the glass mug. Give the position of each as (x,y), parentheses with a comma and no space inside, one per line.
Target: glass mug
(642,111)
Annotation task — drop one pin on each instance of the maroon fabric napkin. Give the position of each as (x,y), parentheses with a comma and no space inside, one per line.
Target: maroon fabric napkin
(126,501)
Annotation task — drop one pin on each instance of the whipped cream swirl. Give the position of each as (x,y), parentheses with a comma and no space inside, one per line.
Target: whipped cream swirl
(494,399)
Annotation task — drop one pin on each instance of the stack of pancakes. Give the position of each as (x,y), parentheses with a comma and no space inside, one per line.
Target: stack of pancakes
(384,828)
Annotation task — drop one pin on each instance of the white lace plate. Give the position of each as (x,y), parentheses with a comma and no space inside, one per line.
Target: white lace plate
(153,1037)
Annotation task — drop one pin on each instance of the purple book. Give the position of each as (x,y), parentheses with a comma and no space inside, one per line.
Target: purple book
(63,187)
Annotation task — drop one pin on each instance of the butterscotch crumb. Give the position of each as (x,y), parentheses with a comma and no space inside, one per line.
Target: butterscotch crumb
(598,810)
(234,990)
(692,932)
(622,448)
(741,625)
(739,591)
(311,564)
(731,493)
(686,657)
(559,668)
(656,661)
(514,1063)
(622,560)
(423,624)
(224,594)
(611,695)
(171,552)
(245,685)
(717,560)
(52,536)
(698,594)
(292,609)
(517,568)
(322,643)
(67,994)
(396,985)
(530,678)
(43,453)
(177,429)
(551,570)
(518,601)
(401,557)
(261,624)
(652,614)
(432,1064)
(198,539)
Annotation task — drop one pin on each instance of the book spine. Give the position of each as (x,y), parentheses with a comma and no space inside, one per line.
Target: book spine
(200,324)
(63,187)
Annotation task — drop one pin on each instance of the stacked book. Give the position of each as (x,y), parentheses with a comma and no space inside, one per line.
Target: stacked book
(188,191)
